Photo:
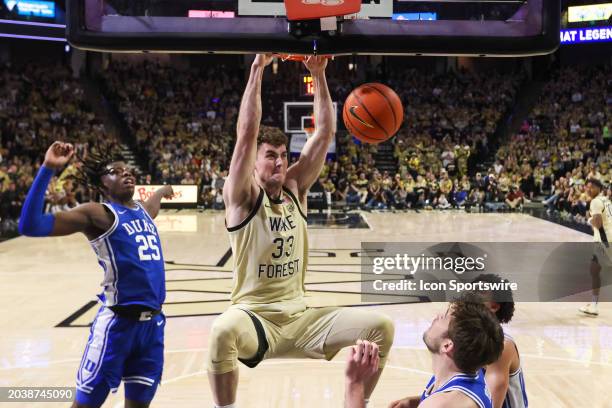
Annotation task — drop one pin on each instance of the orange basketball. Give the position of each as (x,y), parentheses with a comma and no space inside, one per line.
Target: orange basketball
(373,113)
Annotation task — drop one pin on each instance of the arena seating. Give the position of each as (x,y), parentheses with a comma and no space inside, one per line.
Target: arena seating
(183,121)
(565,141)
(186,130)
(40,103)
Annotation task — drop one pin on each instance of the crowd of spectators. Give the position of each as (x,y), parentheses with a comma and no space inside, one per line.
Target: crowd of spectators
(38,105)
(450,121)
(183,121)
(565,141)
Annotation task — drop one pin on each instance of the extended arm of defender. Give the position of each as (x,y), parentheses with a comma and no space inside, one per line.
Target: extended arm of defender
(34,223)
(354,395)
(362,363)
(238,185)
(308,168)
(82,218)
(153,204)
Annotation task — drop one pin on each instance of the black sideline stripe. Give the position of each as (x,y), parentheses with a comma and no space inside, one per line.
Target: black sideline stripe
(84,309)
(225,257)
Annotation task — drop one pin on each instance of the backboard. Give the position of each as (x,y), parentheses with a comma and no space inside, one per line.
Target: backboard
(298,116)
(299,124)
(385,27)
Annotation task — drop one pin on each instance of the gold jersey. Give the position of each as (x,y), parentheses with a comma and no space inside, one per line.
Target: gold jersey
(270,250)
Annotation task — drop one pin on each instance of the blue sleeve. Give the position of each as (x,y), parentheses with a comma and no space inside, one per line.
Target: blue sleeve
(33,222)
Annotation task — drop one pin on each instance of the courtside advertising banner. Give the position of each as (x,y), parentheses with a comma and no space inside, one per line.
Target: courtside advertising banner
(183,194)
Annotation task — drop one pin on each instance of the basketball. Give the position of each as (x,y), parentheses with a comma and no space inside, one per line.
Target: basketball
(373,113)
(263,186)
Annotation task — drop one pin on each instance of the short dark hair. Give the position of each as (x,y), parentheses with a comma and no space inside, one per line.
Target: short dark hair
(596,182)
(271,135)
(476,334)
(503,297)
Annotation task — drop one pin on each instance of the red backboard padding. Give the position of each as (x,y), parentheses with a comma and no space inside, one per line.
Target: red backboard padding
(311,9)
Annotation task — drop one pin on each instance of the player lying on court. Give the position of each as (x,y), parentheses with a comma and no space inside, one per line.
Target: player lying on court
(600,209)
(265,216)
(462,341)
(126,341)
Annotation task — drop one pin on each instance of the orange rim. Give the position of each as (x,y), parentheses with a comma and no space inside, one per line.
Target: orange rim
(295,57)
(292,57)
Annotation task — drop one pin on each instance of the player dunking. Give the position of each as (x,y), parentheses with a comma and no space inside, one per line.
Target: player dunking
(265,216)
(600,209)
(126,341)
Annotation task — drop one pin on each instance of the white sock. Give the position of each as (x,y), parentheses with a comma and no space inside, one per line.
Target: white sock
(225,406)
(367,401)
(595,299)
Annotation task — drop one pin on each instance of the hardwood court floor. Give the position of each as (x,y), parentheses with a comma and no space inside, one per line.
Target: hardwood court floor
(46,283)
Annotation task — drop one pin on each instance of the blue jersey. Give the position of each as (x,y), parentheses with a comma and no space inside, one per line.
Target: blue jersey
(131,256)
(473,386)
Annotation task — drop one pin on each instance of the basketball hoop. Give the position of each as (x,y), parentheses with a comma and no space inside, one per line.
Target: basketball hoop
(309,128)
(297,57)
(309,131)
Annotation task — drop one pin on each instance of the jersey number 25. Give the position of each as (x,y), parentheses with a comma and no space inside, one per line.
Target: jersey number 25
(148,243)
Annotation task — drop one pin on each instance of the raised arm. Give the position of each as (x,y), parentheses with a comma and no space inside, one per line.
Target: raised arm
(239,183)
(86,218)
(153,204)
(361,365)
(306,170)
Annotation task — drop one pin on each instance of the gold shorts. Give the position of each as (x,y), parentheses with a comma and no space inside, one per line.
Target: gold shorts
(320,333)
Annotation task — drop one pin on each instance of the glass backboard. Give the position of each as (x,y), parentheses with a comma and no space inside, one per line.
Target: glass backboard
(386,27)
